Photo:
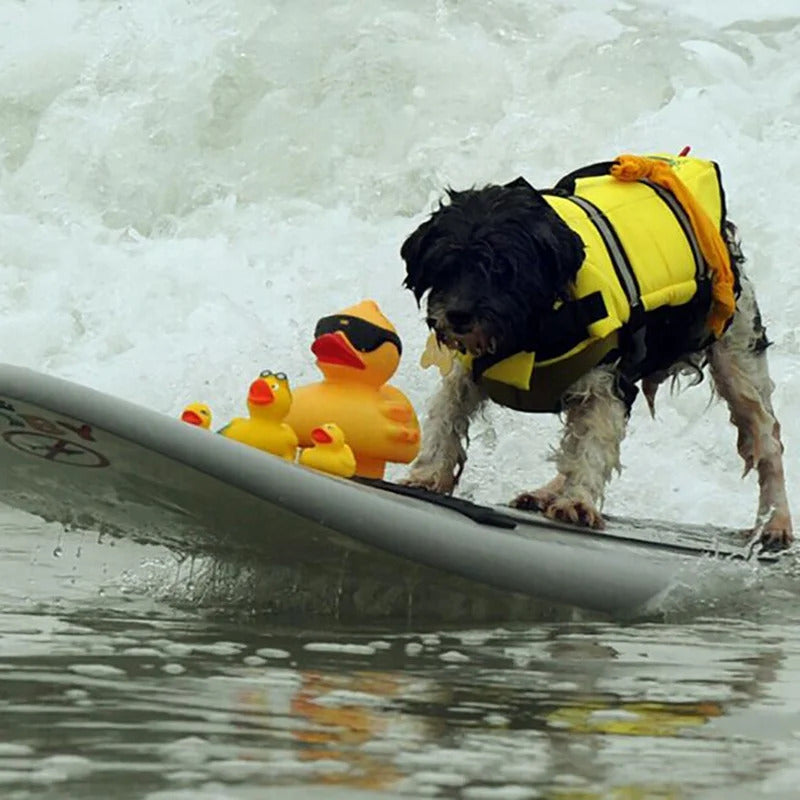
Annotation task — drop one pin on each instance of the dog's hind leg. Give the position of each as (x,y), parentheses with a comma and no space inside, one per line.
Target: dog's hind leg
(738,365)
(595,420)
(445,432)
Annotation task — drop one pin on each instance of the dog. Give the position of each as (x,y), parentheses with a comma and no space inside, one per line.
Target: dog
(510,274)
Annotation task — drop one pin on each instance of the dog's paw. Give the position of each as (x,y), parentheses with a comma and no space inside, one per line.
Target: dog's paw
(777,532)
(576,512)
(441,481)
(539,499)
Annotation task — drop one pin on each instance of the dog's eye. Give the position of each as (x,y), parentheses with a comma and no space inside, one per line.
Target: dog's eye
(459,319)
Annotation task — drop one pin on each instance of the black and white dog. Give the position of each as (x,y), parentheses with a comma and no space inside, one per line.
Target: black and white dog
(490,262)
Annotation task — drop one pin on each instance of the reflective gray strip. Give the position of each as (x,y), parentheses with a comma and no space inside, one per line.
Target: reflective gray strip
(683,220)
(619,257)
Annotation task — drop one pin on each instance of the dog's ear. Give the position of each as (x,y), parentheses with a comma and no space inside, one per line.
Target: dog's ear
(541,253)
(557,246)
(412,253)
(429,252)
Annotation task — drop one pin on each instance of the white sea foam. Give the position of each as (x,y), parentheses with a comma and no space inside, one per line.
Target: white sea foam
(272,652)
(343,648)
(96,670)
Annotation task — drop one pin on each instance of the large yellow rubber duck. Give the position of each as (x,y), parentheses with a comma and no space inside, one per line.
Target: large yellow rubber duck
(329,453)
(198,414)
(357,351)
(268,402)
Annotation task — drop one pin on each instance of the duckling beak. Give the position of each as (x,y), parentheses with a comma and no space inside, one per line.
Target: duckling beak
(192,417)
(335,348)
(260,394)
(321,436)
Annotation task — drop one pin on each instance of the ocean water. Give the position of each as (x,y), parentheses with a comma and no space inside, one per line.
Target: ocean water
(185,187)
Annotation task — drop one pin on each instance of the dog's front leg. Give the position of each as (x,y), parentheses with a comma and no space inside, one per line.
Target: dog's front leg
(595,419)
(445,432)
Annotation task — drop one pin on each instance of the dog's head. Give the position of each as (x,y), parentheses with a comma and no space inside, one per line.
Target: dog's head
(490,260)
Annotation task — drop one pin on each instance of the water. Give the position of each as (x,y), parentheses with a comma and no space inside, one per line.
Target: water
(184,189)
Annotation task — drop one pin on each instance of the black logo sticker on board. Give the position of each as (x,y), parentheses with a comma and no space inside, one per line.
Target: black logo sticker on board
(52,439)
(54,448)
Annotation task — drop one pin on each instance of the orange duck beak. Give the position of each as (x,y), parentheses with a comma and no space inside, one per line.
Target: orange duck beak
(260,394)
(321,436)
(334,348)
(192,417)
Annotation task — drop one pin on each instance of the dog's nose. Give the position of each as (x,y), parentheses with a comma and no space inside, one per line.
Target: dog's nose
(458,319)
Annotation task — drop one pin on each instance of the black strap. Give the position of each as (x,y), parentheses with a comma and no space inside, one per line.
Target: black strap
(480,514)
(634,337)
(556,331)
(565,327)
(567,184)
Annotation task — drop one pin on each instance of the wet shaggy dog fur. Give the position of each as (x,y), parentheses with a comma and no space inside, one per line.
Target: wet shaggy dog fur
(489,263)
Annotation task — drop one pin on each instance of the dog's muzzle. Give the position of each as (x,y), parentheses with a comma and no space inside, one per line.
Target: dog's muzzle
(460,331)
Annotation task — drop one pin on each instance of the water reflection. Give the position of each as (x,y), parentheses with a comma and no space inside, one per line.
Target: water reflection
(559,711)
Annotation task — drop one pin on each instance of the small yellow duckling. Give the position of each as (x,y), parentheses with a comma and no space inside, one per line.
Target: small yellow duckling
(198,414)
(268,401)
(329,452)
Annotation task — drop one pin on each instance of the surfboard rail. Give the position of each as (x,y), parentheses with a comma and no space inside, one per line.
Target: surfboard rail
(90,460)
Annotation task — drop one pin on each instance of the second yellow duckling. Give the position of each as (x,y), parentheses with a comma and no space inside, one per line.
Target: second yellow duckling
(268,401)
(329,452)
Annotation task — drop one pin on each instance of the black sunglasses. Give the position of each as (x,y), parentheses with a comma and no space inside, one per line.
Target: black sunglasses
(363,335)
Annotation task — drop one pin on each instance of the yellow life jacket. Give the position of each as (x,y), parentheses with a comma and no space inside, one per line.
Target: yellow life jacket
(646,247)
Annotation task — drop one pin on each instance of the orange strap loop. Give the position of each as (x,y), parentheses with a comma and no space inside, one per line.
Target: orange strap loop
(714,249)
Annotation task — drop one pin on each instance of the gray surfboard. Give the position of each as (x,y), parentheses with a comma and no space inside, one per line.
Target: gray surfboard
(95,462)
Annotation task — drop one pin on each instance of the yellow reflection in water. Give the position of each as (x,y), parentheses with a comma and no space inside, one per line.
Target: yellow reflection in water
(632,719)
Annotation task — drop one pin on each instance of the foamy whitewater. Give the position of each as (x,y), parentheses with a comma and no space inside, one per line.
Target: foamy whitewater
(186,187)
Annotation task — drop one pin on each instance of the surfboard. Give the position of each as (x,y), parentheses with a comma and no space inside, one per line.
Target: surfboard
(96,462)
